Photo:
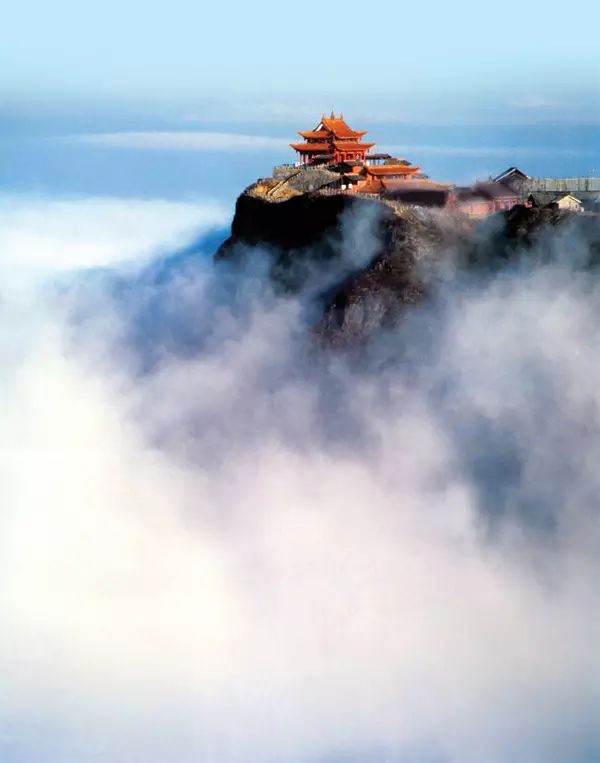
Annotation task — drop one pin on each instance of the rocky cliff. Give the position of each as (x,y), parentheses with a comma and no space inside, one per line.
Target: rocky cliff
(397,253)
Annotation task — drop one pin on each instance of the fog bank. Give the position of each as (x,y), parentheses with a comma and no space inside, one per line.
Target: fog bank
(218,543)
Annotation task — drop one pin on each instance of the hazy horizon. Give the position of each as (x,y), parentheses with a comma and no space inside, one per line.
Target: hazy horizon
(160,158)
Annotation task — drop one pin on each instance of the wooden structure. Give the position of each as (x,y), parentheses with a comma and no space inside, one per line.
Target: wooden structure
(564,201)
(335,146)
(484,199)
(584,189)
(515,179)
(332,141)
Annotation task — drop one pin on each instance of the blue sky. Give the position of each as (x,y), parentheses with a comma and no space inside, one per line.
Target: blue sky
(463,89)
(454,62)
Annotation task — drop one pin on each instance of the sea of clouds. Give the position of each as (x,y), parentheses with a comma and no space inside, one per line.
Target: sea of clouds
(220,544)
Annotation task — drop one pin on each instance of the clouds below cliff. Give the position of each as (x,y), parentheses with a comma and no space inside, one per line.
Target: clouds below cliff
(244,551)
(51,235)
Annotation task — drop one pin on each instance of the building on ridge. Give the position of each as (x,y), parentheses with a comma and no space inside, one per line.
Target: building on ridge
(337,146)
(485,198)
(377,178)
(584,189)
(515,179)
(562,200)
(352,167)
(332,141)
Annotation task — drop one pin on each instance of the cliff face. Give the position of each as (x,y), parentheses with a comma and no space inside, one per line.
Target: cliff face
(309,235)
(312,241)
(397,252)
(292,224)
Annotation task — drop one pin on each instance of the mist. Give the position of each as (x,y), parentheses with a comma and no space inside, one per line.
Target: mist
(221,542)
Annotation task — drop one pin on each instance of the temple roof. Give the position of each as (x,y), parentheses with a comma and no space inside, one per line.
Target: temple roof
(321,135)
(326,133)
(374,185)
(335,126)
(511,172)
(352,145)
(339,128)
(311,147)
(340,145)
(354,134)
(313,134)
(392,169)
(414,184)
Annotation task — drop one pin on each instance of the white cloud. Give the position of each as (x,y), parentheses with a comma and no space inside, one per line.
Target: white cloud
(235,558)
(536,102)
(183,141)
(49,235)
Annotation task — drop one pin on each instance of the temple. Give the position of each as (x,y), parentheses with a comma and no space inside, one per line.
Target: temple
(379,179)
(334,158)
(332,141)
(336,146)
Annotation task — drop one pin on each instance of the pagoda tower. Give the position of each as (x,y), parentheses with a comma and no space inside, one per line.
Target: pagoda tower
(332,141)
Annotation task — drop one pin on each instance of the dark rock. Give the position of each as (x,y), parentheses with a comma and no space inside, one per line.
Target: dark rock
(292,224)
(305,230)
(413,248)
(299,234)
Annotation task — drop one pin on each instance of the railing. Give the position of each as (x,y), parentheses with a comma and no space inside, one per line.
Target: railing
(570,184)
(282,182)
(345,191)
